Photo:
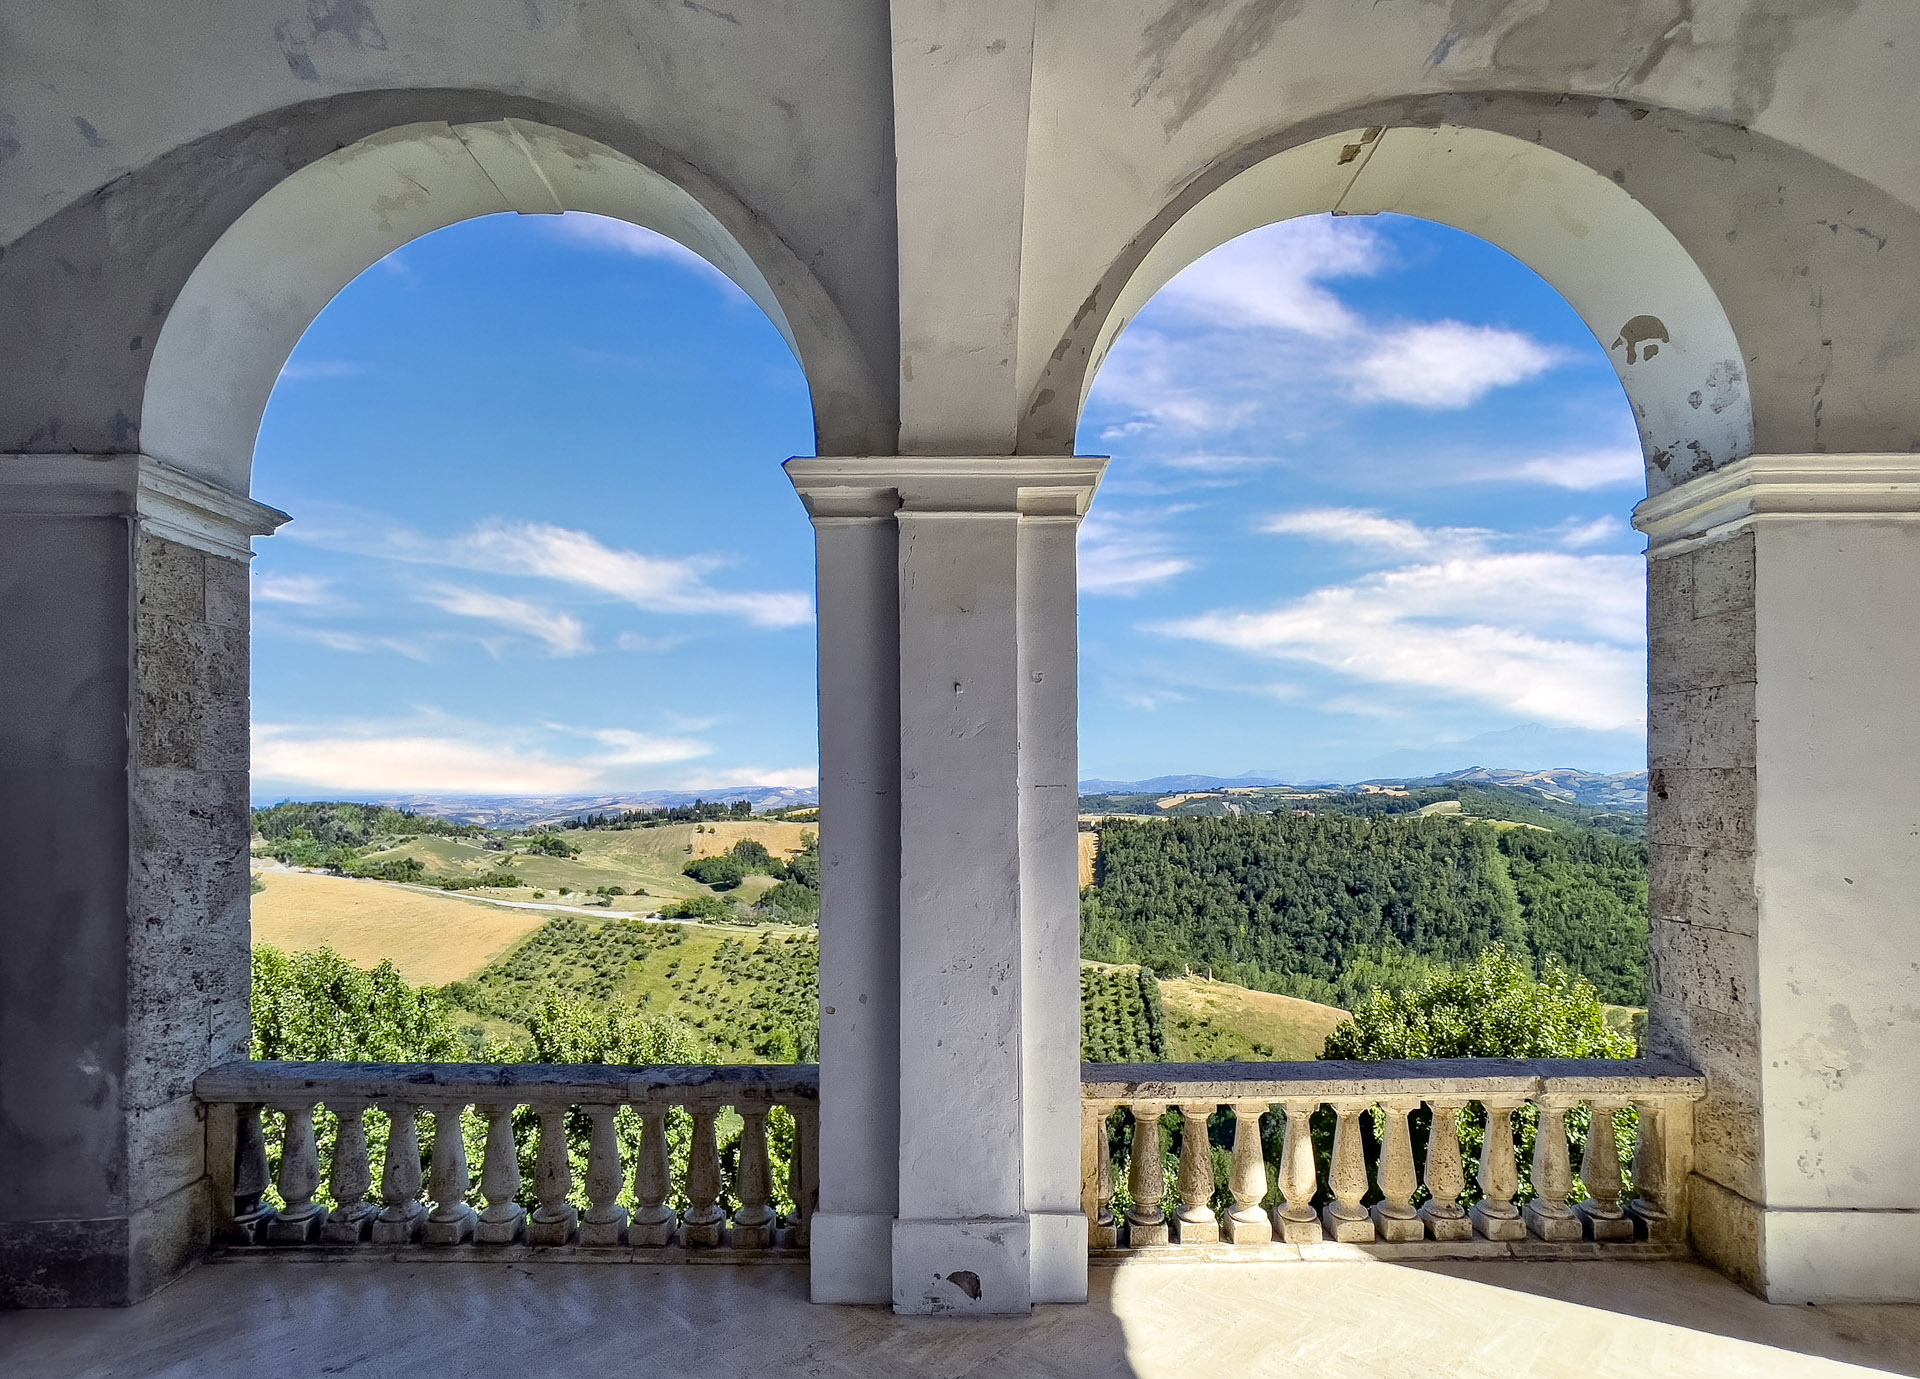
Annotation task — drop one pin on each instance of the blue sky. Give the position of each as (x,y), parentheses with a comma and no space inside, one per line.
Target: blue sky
(1366,515)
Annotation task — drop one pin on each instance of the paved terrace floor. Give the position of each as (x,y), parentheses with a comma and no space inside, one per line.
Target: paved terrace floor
(367,1319)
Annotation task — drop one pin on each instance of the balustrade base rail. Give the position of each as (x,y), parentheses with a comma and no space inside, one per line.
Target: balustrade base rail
(627,1213)
(1367,1200)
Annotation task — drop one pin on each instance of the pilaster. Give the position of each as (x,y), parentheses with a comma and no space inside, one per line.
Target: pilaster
(1782,748)
(123,790)
(988,1215)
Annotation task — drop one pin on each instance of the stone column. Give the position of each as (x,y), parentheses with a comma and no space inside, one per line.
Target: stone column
(1784,745)
(988,1214)
(123,796)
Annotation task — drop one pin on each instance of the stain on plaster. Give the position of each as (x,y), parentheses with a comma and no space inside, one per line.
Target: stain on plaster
(967,1281)
(88,132)
(709,10)
(1642,337)
(1184,77)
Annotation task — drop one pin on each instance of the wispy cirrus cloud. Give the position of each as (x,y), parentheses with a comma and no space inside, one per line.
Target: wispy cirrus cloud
(1122,554)
(1552,635)
(1620,466)
(299,591)
(301,370)
(659,584)
(1370,530)
(563,634)
(588,231)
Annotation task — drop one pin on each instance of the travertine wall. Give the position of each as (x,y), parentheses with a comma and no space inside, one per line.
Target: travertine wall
(1700,831)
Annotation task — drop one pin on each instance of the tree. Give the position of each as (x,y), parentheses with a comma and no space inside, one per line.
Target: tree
(319,1006)
(723,873)
(753,856)
(1492,1007)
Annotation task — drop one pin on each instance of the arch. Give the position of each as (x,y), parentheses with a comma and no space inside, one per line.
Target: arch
(1618,266)
(248,300)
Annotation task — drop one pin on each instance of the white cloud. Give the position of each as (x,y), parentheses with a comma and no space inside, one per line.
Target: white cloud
(778,777)
(1223,464)
(590,231)
(1270,277)
(1576,535)
(629,748)
(1545,634)
(303,369)
(655,583)
(1120,556)
(1620,467)
(1447,364)
(563,633)
(633,641)
(302,591)
(404,762)
(1368,529)
(334,639)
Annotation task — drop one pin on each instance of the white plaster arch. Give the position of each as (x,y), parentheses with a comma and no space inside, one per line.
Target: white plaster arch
(1616,264)
(253,295)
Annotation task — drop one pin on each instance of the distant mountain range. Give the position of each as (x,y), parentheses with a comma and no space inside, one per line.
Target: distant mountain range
(1626,790)
(518,811)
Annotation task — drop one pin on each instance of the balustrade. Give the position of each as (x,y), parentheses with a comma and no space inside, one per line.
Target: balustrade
(1373,1175)
(568,1107)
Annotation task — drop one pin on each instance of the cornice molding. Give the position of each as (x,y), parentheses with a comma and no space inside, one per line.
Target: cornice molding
(1764,488)
(877,487)
(166,501)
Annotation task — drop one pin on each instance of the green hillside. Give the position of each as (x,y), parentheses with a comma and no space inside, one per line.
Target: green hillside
(1327,906)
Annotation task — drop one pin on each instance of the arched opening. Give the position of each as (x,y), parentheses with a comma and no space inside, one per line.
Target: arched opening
(1363,639)
(543,588)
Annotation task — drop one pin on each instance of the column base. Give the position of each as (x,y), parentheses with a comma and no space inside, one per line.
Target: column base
(1198,1231)
(401,1229)
(1298,1230)
(554,1229)
(1398,1230)
(612,1231)
(963,1268)
(1058,1243)
(1606,1228)
(1348,1230)
(1455,1225)
(1254,1229)
(850,1257)
(504,1229)
(652,1227)
(1553,1225)
(1840,1256)
(1493,1227)
(451,1228)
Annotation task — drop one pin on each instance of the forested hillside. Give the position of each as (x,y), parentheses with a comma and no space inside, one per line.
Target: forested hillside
(1329,906)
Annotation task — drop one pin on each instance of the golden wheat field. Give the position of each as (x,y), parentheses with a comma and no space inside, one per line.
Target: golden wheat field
(431,938)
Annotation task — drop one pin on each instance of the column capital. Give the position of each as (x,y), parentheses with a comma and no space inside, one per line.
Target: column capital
(1761,488)
(869,487)
(169,502)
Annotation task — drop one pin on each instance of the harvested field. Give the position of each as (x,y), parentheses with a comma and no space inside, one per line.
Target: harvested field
(431,938)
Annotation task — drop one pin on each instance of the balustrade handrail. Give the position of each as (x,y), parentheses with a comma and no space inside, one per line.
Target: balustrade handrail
(264,1081)
(1330,1079)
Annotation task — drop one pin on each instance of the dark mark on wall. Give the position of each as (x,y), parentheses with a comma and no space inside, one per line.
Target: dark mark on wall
(89,133)
(1642,337)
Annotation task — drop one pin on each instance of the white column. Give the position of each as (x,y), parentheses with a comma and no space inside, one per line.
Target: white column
(988,1216)
(1784,660)
(857,559)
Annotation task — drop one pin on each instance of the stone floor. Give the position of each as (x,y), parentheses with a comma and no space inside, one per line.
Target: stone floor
(269,1318)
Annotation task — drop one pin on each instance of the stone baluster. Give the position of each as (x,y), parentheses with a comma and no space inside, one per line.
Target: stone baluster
(1299,1224)
(1344,1217)
(1194,1223)
(606,1220)
(1495,1215)
(1247,1223)
(1659,1167)
(349,1176)
(404,1215)
(451,1221)
(705,1221)
(803,1174)
(1096,1177)
(1146,1177)
(1605,1218)
(753,1218)
(555,1219)
(1548,1215)
(1445,1175)
(252,1213)
(653,1220)
(1394,1219)
(298,1220)
(504,1219)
